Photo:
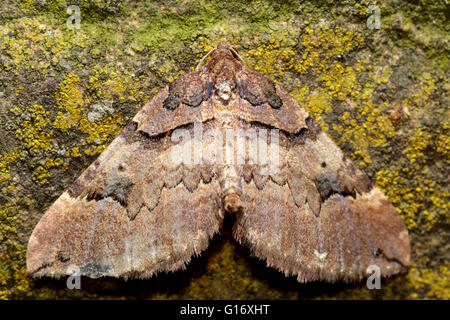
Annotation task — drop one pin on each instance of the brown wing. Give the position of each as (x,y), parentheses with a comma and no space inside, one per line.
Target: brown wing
(319,217)
(184,101)
(134,211)
(263,101)
(191,98)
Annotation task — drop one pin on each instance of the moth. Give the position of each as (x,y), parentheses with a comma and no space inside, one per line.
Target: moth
(221,140)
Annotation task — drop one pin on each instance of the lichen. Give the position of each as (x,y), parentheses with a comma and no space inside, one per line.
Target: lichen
(434,284)
(5,160)
(33,131)
(70,100)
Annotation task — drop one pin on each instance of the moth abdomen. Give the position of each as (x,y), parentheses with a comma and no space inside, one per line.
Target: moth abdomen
(232,202)
(231,190)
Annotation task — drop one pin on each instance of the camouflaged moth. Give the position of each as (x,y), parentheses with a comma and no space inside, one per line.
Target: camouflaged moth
(135,212)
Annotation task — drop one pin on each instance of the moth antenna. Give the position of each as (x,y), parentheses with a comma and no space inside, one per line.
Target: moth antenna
(233,50)
(203,59)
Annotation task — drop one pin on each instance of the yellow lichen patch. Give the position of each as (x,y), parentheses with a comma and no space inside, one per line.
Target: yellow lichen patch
(50,163)
(381,75)
(31,35)
(13,278)
(409,198)
(15,273)
(16,50)
(318,103)
(220,265)
(41,173)
(5,160)
(340,81)
(420,199)
(9,222)
(279,56)
(443,142)
(75,152)
(34,132)
(435,283)
(206,46)
(319,46)
(419,145)
(426,87)
(27,5)
(94,150)
(100,132)
(70,100)
(367,129)
(111,85)
(322,44)
(396,189)
(416,147)
(272,58)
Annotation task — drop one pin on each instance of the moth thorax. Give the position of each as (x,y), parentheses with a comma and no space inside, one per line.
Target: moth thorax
(223,90)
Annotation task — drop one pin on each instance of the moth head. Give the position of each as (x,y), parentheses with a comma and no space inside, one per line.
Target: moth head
(226,48)
(223,50)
